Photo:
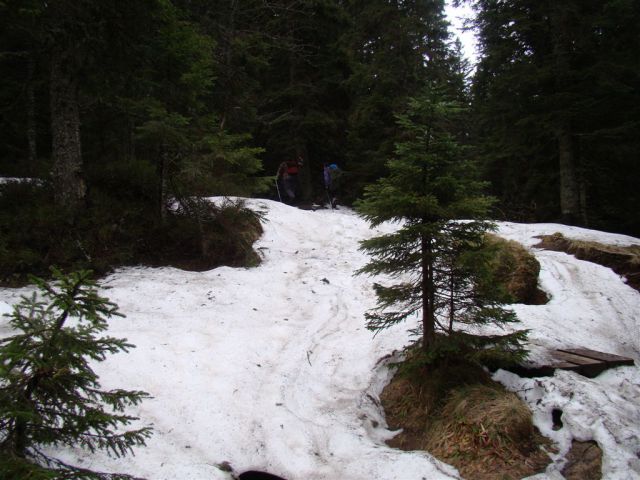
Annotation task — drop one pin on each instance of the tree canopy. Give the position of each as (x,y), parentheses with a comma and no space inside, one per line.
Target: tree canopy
(163,99)
(556,104)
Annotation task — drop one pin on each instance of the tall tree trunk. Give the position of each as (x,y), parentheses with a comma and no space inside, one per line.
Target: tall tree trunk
(568,171)
(69,185)
(231,35)
(163,169)
(31,114)
(428,298)
(582,184)
(452,298)
(569,189)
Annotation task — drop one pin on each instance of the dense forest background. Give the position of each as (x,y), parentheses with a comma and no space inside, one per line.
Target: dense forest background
(119,106)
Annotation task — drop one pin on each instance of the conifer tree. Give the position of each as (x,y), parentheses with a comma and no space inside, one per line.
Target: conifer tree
(394,48)
(436,258)
(49,393)
(556,98)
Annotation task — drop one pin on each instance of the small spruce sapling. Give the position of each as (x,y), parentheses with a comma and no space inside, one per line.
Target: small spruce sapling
(49,394)
(435,259)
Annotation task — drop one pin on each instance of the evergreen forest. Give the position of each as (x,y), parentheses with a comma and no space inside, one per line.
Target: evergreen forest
(123,109)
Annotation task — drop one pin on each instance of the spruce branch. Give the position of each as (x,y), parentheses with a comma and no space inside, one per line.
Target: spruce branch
(49,394)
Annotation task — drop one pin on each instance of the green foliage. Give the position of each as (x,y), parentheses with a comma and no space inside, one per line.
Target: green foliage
(220,233)
(120,228)
(26,219)
(551,67)
(436,259)
(294,79)
(223,163)
(302,100)
(394,48)
(200,85)
(49,393)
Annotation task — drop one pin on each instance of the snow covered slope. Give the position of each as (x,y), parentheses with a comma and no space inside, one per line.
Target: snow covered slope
(272,369)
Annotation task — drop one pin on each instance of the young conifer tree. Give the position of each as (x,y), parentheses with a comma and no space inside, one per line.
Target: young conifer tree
(49,393)
(436,255)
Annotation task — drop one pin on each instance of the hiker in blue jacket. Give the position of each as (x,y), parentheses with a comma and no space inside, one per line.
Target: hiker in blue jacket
(330,173)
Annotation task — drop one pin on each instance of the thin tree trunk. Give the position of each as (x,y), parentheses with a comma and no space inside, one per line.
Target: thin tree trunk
(569,190)
(131,141)
(69,185)
(231,26)
(582,185)
(428,299)
(31,114)
(162,171)
(452,299)
(568,172)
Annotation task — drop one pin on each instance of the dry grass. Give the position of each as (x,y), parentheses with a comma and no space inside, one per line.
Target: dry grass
(517,270)
(584,462)
(624,261)
(482,429)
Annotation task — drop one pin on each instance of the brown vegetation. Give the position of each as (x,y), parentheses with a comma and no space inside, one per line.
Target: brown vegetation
(459,415)
(584,462)
(516,270)
(625,261)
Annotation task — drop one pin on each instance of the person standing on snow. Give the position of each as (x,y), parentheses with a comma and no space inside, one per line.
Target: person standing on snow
(330,174)
(288,177)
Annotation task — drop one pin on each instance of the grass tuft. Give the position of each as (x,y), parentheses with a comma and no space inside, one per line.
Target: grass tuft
(459,415)
(625,261)
(516,270)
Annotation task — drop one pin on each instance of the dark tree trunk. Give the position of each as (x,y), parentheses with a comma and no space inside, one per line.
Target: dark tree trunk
(569,188)
(69,184)
(227,55)
(163,169)
(31,114)
(452,298)
(428,298)
(568,172)
(582,184)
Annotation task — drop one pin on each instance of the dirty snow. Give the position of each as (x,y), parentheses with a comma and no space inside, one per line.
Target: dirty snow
(272,369)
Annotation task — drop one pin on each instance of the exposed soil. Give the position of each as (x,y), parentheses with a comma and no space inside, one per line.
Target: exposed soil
(625,261)
(481,429)
(584,462)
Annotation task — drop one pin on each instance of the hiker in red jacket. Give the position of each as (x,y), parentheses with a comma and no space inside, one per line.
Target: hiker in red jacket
(288,177)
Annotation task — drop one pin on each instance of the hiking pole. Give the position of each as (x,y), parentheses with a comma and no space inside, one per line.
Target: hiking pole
(278,189)
(329,198)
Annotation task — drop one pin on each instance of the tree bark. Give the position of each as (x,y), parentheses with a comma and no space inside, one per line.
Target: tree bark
(569,189)
(67,176)
(452,298)
(227,55)
(570,205)
(163,169)
(31,114)
(428,298)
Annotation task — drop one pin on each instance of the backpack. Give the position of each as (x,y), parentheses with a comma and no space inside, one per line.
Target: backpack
(292,167)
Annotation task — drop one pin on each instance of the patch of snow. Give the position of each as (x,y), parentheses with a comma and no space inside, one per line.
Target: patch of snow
(4,180)
(526,233)
(272,368)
